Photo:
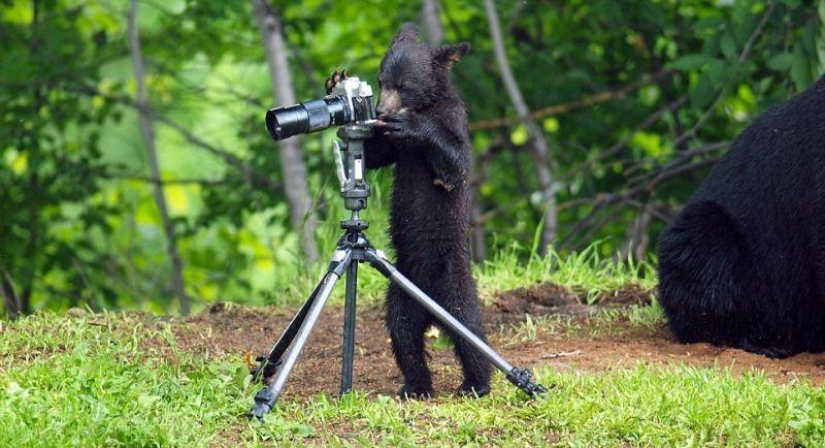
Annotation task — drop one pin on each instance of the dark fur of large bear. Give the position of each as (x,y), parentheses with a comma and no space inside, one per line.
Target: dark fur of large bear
(743,264)
(422,131)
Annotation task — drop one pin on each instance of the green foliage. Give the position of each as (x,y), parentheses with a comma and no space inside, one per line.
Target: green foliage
(50,155)
(635,98)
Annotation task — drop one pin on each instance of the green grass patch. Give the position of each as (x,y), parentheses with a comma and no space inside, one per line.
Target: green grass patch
(586,273)
(90,382)
(120,380)
(674,406)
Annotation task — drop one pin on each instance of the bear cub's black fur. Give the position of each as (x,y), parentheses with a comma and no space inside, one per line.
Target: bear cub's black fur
(422,130)
(743,265)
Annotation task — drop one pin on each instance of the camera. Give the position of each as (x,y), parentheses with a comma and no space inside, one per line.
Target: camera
(350,101)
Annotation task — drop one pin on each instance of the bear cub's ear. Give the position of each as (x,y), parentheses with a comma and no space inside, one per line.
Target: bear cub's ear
(408,33)
(447,55)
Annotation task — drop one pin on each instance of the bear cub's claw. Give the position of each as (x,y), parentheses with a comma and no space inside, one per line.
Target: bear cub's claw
(337,76)
(409,393)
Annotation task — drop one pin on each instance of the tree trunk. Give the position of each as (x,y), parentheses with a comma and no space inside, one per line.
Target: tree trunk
(638,240)
(149,137)
(10,300)
(537,140)
(431,22)
(302,216)
(478,242)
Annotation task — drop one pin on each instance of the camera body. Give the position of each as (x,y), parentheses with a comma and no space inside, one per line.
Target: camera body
(350,101)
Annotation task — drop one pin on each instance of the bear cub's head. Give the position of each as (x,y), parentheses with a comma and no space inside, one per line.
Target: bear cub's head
(414,75)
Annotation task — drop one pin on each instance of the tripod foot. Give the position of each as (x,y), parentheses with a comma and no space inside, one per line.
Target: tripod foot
(521,378)
(264,400)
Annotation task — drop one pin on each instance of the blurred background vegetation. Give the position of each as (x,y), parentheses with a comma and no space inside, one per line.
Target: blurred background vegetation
(136,173)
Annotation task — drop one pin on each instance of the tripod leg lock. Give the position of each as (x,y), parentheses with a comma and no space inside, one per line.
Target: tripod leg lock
(340,260)
(521,378)
(265,369)
(379,261)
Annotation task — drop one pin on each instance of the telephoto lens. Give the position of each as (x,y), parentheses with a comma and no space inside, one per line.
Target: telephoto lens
(310,116)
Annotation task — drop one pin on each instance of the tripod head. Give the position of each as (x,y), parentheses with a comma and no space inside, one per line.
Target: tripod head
(351,167)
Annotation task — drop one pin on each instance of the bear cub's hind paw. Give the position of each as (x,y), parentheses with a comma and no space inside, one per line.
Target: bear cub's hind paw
(410,393)
(473,391)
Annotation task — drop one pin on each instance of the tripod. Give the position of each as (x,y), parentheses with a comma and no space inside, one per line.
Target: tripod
(354,248)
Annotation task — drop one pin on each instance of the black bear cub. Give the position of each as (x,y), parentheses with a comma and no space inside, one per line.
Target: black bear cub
(743,265)
(422,130)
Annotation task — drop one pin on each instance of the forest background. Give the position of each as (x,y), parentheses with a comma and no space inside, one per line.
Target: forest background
(136,172)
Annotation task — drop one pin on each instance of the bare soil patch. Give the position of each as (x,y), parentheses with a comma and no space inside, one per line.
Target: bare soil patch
(234,330)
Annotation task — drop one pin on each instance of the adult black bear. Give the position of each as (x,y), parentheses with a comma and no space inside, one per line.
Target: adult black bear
(422,129)
(743,264)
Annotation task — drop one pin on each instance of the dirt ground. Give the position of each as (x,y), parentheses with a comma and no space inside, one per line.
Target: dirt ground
(228,329)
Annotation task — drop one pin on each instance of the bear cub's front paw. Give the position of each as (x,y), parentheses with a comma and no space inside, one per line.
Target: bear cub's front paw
(401,124)
(337,76)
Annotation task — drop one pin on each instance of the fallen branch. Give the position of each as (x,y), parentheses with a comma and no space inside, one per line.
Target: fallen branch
(561,354)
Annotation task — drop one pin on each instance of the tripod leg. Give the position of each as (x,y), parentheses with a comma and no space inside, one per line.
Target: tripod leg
(269,364)
(349,328)
(265,399)
(519,377)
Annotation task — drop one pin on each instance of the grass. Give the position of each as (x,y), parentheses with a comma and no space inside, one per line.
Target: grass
(64,382)
(586,273)
(122,380)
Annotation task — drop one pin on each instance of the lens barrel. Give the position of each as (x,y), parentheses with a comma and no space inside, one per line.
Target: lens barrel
(310,116)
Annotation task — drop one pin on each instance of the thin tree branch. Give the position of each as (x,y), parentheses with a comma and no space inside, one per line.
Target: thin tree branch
(602,201)
(558,109)
(537,139)
(147,130)
(676,161)
(154,181)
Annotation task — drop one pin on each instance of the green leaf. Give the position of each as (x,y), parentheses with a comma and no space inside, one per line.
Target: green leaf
(718,72)
(780,62)
(800,68)
(175,7)
(649,142)
(551,125)
(691,62)
(702,93)
(519,135)
(728,47)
